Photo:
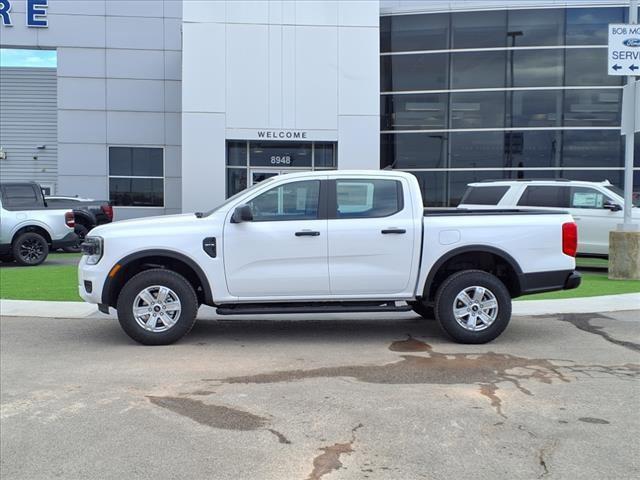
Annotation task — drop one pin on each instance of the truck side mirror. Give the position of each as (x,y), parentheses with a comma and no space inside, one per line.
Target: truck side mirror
(614,207)
(242,213)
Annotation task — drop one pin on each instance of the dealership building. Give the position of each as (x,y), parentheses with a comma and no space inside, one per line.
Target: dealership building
(164,106)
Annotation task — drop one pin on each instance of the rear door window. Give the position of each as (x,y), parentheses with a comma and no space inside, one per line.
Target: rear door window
(19,196)
(545,196)
(484,195)
(368,198)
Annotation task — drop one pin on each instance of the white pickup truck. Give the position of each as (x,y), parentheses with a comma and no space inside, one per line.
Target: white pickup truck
(336,241)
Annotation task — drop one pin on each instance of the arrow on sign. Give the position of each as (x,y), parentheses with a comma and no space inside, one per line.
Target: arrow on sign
(633,67)
(616,67)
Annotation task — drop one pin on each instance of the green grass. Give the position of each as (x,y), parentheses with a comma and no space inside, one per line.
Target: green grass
(592,262)
(593,285)
(57,282)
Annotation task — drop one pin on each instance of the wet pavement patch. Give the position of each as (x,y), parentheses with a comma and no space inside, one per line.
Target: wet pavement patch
(599,421)
(583,322)
(483,369)
(215,416)
(329,459)
(409,345)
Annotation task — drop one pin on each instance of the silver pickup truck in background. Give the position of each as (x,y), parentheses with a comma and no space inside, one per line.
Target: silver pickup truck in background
(28,229)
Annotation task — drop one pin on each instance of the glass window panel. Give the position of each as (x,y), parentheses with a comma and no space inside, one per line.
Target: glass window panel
(325,155)
(532,148)
(414,112)
(19,196)
(636,155)
(368,198)
(136,192)
(588,66)
(120,161)
(535,27)
(280,154)
(616,177)
(585,197)
(478,69)
(413,150)
(434,188)
(147,162)
(534,108)
(136,161)
(237,153)
(479,29)
(545,196)
(589,26)
(484,195)
(458,182)
(477,149)
(292,201)
(236,180)
(414,72)
(534,68)
(477,110)
(401,33)
(592,108)
(592,148)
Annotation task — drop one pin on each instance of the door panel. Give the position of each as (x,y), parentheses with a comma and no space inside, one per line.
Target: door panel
(283,251)
(371,238)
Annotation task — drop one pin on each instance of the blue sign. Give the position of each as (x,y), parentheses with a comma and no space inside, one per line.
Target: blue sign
(36,13)
(631,42)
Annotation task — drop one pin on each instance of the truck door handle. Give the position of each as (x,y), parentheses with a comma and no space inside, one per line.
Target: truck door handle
(307,233)
(394,230)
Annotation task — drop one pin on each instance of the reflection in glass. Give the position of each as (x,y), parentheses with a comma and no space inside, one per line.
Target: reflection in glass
(536,27)
(236,153)
(588,66)
(534,108)
(136,161)
(402,33)
(477,149)
(414,112)
(479,29)
(236,180)
(532,148)
(414,72)
(592,148)
(324,155)
(535,68)
(477,110)
(588,26)
(136,192)
(592,108)
(478,69)
(413,150)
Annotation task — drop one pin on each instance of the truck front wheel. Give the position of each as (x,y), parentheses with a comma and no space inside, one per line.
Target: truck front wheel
(473,306)
(157,307)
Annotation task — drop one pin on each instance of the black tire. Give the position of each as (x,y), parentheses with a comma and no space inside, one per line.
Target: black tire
(30,249)
(8,258)
(446,302)
(425,311)
(179,286)
(81,231)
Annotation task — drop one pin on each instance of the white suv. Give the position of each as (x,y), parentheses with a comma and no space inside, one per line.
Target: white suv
(595,206)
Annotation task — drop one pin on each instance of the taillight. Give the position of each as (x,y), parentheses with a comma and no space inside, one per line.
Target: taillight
(70,219)
(108,211)
(569,238)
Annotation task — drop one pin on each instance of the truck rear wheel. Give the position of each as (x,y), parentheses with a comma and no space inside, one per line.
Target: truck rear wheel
(473,306)
(157,307)
(30,249)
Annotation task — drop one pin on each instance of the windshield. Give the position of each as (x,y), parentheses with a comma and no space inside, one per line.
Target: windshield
(618,191)
(234,197)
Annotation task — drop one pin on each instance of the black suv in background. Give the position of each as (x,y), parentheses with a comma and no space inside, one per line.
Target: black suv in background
(88,213)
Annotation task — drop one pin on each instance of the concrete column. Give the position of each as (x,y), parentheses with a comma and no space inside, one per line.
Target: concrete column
(624,255)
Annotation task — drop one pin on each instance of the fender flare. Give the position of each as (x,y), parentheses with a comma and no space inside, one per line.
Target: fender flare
(467,249)
(108,284)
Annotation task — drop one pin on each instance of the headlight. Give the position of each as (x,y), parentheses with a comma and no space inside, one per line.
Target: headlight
(92,248)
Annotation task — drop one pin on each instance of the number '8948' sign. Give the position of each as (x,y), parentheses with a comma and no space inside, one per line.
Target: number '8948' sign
(624,49)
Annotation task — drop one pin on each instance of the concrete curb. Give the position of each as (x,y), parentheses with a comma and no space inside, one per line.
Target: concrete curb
(605,303)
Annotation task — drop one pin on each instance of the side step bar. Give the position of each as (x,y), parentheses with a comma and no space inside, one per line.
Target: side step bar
(316,307)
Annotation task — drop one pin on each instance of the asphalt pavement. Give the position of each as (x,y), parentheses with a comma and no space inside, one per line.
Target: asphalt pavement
(552,398)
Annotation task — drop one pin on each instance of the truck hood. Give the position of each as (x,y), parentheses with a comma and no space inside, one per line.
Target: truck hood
(165,223)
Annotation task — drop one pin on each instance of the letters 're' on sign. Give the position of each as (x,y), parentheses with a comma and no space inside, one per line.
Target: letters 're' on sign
(35,13)
(624,49)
